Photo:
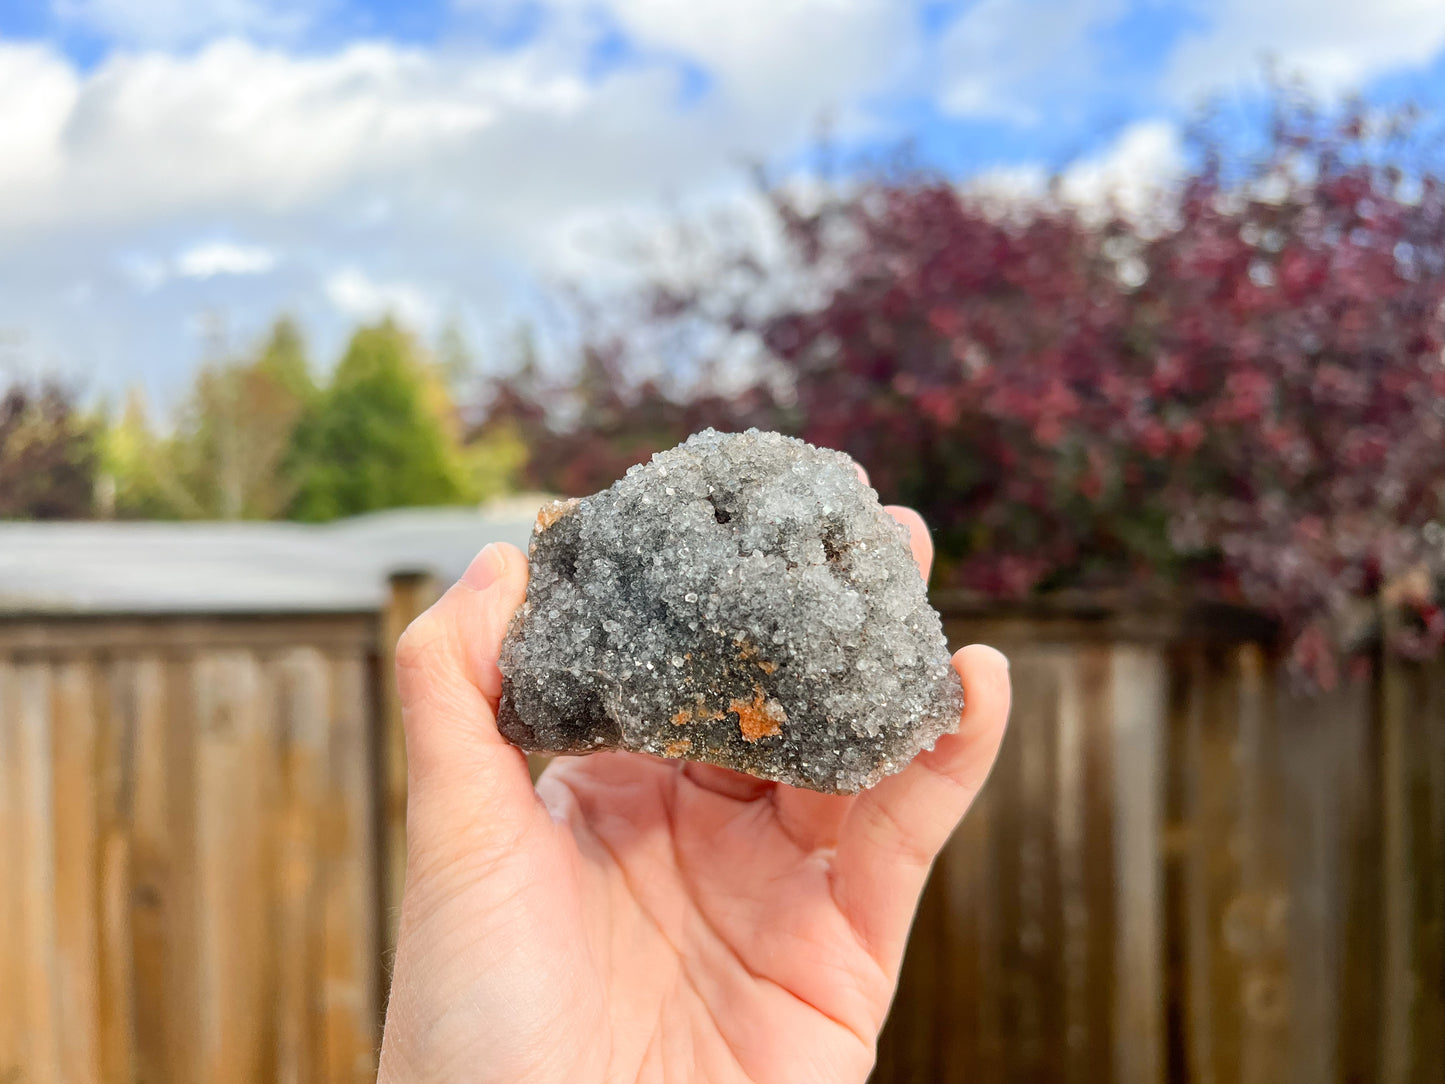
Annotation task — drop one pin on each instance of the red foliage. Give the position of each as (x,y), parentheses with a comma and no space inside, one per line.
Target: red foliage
(1247,402)
(47,455)
(583,434)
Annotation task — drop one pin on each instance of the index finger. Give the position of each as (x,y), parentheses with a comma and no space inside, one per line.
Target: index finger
(893,832)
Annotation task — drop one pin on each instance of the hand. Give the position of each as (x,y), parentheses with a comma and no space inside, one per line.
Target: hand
(640,919)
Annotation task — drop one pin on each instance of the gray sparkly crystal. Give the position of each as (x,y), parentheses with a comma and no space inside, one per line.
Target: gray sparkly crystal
(741,600)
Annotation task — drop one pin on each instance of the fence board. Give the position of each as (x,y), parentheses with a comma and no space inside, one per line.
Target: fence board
(1427,743)
(1094,904)
(34,883)
(232,865)
(12,1034)
(1077,995)
(114,741)
(1138,700)
(75,818)
(182,987)
(305,708)
(352,884)
(140,686)
(411,593)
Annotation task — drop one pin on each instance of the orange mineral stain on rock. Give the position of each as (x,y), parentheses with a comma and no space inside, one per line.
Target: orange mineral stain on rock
(759,717)
(683,717)
(750,653)
(552,511)
(677,748)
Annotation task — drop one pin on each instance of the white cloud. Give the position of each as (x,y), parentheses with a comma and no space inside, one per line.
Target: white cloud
(38,94)
(361,297)
(224,258)
(1008,185)
(1000,57)
(1129,174)
(461,169)
(1336,44)
(823,50)
(238,126)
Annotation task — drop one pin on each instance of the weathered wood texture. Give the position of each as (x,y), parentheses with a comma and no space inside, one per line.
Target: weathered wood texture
(188,840)
(1182,870)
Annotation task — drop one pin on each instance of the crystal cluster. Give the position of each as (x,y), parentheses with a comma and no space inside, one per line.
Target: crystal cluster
(741,600)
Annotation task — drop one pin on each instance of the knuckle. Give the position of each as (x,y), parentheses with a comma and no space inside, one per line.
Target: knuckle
(421,641)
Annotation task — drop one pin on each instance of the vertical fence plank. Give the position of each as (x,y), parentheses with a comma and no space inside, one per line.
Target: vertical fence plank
(34,880)
(1316,742)
(1094,907)
(1020,858)
(1071,833)
(1216,866)
(305,710)
(352,952)
(1180,739)
(185,983)
(1358,1037)
(76,858)
(115,740)
(12,1035)
(1139,699)
(140,693)
(1412,973)
(967,974)
(235,781)
(1257,920)
(408,595)
(1428,744)
(1397,973)
(922,1057)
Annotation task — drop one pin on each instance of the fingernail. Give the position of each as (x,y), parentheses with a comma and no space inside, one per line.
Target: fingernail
(485,568)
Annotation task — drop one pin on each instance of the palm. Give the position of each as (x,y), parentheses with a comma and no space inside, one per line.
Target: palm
(715,925)
(635,919)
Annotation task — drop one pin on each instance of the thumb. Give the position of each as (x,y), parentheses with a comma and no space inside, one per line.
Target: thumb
(461,774)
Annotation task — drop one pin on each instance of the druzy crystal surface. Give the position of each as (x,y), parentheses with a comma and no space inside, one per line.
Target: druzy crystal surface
(741,600)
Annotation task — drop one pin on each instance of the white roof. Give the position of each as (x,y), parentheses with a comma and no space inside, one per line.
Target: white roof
(217,568)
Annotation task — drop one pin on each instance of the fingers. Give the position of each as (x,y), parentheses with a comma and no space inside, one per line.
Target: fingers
(449,684)
(894,831)
(919,540)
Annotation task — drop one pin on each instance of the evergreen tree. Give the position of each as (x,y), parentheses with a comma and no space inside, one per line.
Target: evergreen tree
(378,436)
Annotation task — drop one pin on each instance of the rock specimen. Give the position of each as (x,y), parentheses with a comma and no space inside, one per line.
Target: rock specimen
(741,600)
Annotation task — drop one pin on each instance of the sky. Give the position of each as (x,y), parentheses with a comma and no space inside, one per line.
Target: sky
(175,173)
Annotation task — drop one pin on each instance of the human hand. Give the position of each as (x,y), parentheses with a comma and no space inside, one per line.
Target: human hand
(639,919)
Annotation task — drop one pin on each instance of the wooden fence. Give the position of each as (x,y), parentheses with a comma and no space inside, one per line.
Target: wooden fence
(1183,870)
(190,878)
(1179,870)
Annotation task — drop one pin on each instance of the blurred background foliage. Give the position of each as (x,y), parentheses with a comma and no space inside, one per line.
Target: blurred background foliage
(1235,393)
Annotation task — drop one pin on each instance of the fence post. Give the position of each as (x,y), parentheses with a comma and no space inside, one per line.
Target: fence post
(409,593)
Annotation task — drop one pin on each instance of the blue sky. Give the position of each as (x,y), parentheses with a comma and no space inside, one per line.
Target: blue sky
(169,168)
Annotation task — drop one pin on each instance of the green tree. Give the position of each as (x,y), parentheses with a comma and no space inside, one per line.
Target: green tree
(382,435)
(232,435)
(137,481)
